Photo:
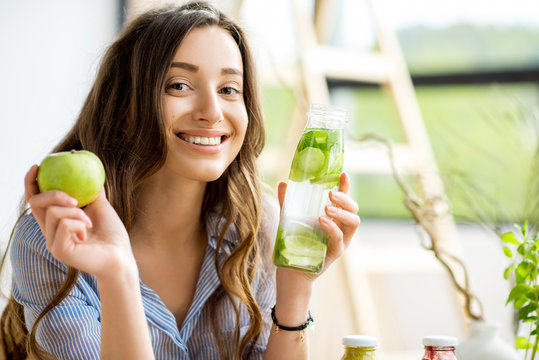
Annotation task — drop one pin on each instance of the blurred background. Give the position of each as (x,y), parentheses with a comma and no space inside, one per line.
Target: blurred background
(474,67)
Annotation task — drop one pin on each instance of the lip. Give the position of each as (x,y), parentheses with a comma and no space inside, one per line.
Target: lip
(204,149)
(204,132)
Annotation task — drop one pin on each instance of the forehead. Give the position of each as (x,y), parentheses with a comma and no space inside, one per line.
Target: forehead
(209,46)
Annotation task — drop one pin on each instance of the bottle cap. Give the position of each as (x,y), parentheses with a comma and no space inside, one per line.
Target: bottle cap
(359,341)
(439,341)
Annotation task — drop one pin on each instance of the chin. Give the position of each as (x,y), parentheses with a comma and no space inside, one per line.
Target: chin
(208,174)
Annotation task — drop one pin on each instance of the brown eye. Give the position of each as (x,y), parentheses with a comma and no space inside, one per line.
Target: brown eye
(178,86)
(228,90)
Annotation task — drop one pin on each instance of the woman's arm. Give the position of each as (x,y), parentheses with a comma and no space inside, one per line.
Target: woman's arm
(124,330)
(293,297)
(294,288)
(95,241)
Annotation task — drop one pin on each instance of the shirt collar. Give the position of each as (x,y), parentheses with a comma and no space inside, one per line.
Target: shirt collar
(214,225)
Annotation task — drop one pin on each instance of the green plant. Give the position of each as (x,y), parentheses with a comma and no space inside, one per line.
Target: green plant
(525,292)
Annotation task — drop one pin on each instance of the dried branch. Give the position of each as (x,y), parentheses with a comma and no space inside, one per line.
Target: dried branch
(424,212)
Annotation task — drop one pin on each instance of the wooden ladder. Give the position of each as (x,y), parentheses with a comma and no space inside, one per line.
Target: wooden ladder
(342,297)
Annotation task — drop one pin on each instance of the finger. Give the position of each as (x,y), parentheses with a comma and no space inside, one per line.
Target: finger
(54,214)
(281,190)
(348,222)
(30,183)
(344,184)
(335,243)
(343,201)
(50,198)
(70,232)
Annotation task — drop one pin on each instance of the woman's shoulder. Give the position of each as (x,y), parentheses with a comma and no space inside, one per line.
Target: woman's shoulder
(29,244)
(27,231)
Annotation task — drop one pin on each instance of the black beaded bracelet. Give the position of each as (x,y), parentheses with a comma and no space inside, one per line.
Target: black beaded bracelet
(291,328)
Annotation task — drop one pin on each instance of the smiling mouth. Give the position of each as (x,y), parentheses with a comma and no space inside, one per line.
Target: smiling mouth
(203,140)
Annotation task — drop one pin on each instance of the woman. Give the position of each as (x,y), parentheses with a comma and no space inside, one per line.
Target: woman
(172,261)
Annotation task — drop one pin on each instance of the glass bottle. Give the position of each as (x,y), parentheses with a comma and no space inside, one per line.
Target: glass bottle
(439,348)
(316,168)
(359,347)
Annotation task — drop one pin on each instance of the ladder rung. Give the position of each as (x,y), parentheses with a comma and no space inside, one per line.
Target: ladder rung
(349,64)
(374,158)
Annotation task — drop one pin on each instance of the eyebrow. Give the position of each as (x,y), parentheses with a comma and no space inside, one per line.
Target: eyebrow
(194,68)
(231,71)
(186,66)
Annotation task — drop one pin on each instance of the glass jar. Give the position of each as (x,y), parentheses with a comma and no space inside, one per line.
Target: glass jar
(439,348)
(301,242)
(359,347)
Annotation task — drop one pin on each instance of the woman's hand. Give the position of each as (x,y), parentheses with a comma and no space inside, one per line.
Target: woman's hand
(294,288)
(93,240)
(341,223)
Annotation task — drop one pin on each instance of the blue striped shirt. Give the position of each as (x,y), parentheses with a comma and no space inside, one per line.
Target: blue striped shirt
(72,330)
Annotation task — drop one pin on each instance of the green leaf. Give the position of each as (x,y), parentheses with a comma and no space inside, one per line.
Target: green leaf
(522,343)
(531,255)
(510,238)
(507,271)
(525,229)
(507,252)
(520,302)
(518,291)
(526,310)
(521,249)
(522,272)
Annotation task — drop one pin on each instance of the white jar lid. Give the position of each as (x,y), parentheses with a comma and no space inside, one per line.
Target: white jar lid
(359,340)
(440,341)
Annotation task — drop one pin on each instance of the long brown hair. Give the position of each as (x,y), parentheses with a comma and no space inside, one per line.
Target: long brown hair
(121,121)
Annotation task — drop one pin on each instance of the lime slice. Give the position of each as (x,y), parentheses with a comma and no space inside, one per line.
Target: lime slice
(303,250)
(328,181)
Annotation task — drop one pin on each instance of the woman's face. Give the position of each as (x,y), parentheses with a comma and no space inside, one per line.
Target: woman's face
(203,107)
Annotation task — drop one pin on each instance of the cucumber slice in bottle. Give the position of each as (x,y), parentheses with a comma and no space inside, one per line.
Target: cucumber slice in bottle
(307,164)
(335,159)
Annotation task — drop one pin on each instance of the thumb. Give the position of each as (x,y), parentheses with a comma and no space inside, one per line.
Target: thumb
(281,190)
(99,202)
(101,197)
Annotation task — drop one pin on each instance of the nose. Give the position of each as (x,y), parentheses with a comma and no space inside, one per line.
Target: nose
(208,108)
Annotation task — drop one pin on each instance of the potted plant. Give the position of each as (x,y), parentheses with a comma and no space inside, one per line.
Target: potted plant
(522,247)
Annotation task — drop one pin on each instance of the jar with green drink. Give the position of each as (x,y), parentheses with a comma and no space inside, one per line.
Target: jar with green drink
(316,168)
(359,347)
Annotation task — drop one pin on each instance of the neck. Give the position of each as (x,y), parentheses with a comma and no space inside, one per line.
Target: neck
(169,212)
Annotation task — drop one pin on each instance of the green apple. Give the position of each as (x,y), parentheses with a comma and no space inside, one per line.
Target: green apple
(79,173)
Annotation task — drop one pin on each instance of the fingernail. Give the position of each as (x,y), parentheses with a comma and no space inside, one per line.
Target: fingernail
(324,220)
(72,201)
(332,210)
(90,224)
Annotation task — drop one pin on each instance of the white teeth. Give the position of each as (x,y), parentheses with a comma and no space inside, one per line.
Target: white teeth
(200,140)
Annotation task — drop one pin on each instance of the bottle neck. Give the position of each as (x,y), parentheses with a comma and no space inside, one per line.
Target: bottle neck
(440,348)
(319,122)
(326,117)
(359,352)
(439,353)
